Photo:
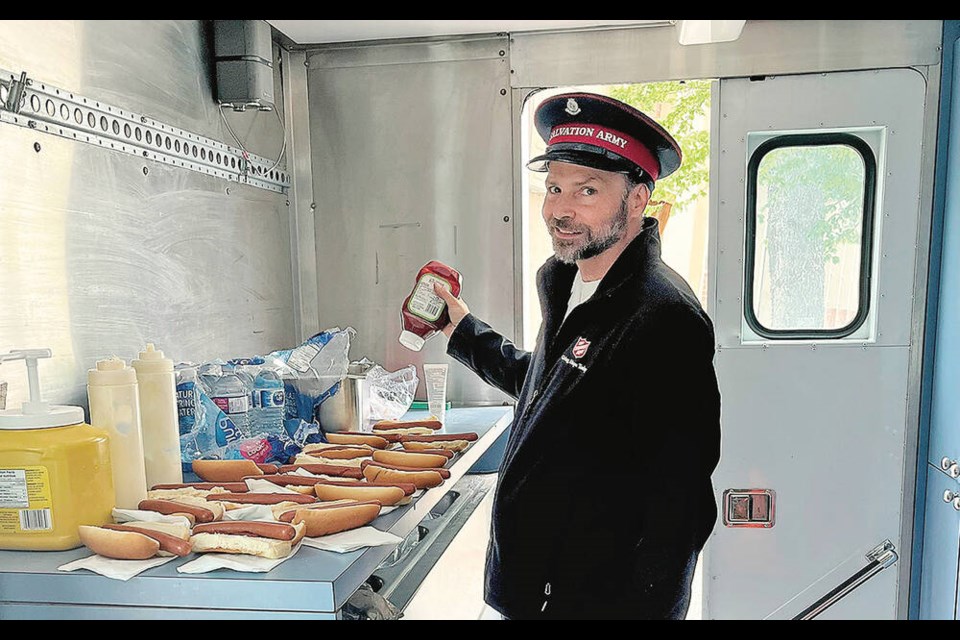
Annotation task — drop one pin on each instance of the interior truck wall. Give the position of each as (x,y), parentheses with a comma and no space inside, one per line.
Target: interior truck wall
(102,251)
(411,151)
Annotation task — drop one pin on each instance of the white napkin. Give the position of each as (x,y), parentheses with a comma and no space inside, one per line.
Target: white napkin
(258,512)
(235,561)
(255,485)
(319,476)
(347,541)
(121,516)
(116,569)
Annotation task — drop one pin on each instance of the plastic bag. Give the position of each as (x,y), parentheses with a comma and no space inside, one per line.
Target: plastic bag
(310,373)
(391,394)
(367,604)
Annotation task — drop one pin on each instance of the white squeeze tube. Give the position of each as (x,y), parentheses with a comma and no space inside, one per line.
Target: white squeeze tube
(435,377)
(115,408)
(158,417)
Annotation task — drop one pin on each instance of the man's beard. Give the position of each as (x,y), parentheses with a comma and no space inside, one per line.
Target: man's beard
(588,245)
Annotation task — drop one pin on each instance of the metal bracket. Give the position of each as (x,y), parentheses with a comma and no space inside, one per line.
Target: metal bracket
(14,97)
(884,553)
(48,109)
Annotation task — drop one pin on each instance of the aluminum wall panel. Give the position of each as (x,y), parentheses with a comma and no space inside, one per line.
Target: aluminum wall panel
(412,162)
(101,252)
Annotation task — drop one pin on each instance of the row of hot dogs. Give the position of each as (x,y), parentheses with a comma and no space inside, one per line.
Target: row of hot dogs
(329,487)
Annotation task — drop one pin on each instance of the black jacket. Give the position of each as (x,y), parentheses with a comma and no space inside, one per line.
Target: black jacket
(604,496)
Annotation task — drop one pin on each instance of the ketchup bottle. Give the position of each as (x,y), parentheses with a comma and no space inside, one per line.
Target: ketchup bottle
(424,312)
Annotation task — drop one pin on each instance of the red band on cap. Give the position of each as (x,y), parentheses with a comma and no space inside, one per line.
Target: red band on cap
(609,139)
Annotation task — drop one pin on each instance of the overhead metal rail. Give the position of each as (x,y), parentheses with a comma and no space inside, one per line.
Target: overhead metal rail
(47,109)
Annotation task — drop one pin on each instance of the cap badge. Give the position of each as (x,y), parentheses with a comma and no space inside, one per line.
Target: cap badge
(572,107)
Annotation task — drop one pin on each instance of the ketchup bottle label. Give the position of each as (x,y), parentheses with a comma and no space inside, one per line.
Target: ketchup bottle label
(424,302)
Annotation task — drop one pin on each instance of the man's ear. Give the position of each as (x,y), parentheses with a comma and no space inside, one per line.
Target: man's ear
(638,199)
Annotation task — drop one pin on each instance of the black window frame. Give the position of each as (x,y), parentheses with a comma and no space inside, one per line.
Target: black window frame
(866,239)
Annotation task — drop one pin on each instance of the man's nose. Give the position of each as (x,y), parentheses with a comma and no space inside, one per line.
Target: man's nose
(559,206)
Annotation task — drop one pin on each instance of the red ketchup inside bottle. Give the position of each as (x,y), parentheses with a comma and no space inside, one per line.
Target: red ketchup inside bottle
(424,312)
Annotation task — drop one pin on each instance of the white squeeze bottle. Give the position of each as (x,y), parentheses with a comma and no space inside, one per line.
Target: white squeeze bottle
(158,417)
(115,408)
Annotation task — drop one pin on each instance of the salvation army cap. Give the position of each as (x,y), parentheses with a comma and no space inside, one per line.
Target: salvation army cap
(603,133)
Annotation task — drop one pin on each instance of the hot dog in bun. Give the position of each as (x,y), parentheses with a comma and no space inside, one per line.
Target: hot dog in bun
(225,470)
(136,540)
(391,425)
(324,469)
(338,451)
(354,438)
(324,519)
(195,513)
(263,539)
(423,479)
(410,459)
(385,494)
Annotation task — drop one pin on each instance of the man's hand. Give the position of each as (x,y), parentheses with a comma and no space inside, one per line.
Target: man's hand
(456,307)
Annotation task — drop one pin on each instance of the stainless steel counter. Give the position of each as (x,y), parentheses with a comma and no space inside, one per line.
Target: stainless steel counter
(312,584)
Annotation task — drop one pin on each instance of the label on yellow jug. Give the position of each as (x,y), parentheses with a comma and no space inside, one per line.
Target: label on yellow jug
(25,501)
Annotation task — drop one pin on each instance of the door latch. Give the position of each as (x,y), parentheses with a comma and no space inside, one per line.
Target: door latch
(752,508)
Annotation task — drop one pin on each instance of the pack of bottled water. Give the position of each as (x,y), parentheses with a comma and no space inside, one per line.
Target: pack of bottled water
(264,407)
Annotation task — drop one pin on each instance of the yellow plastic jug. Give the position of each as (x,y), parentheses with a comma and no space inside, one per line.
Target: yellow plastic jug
(55,472)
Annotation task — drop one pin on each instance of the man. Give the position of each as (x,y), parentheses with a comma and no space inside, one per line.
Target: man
(604,498)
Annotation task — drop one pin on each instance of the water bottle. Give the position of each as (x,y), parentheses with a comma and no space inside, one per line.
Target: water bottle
(268,402)
(187,410)
(186,397)
(232,397)
(208,373)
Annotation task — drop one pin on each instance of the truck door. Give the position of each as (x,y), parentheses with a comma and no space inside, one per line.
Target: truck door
(813,256)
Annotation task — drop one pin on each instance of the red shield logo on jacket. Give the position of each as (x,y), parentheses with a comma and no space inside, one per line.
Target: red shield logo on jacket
(580,348)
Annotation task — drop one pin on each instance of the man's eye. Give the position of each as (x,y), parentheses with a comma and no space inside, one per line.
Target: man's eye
(589,191)
(553,189)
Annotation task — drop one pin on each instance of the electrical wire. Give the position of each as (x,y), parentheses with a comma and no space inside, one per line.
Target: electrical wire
(283,130)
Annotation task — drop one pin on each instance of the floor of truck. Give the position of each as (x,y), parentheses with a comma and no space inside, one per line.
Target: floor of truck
(453,590)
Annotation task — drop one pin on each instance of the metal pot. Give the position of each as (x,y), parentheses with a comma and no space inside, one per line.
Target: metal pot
(348,408)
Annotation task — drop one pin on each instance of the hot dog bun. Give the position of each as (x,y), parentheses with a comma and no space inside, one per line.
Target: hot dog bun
(323,520)
(255,543)
(421,479)
(121,545)
(409,459)
(386,496)
(386,425)
(348,437)
(225,470)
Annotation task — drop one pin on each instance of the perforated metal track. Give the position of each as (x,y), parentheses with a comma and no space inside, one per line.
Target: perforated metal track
(63,113)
